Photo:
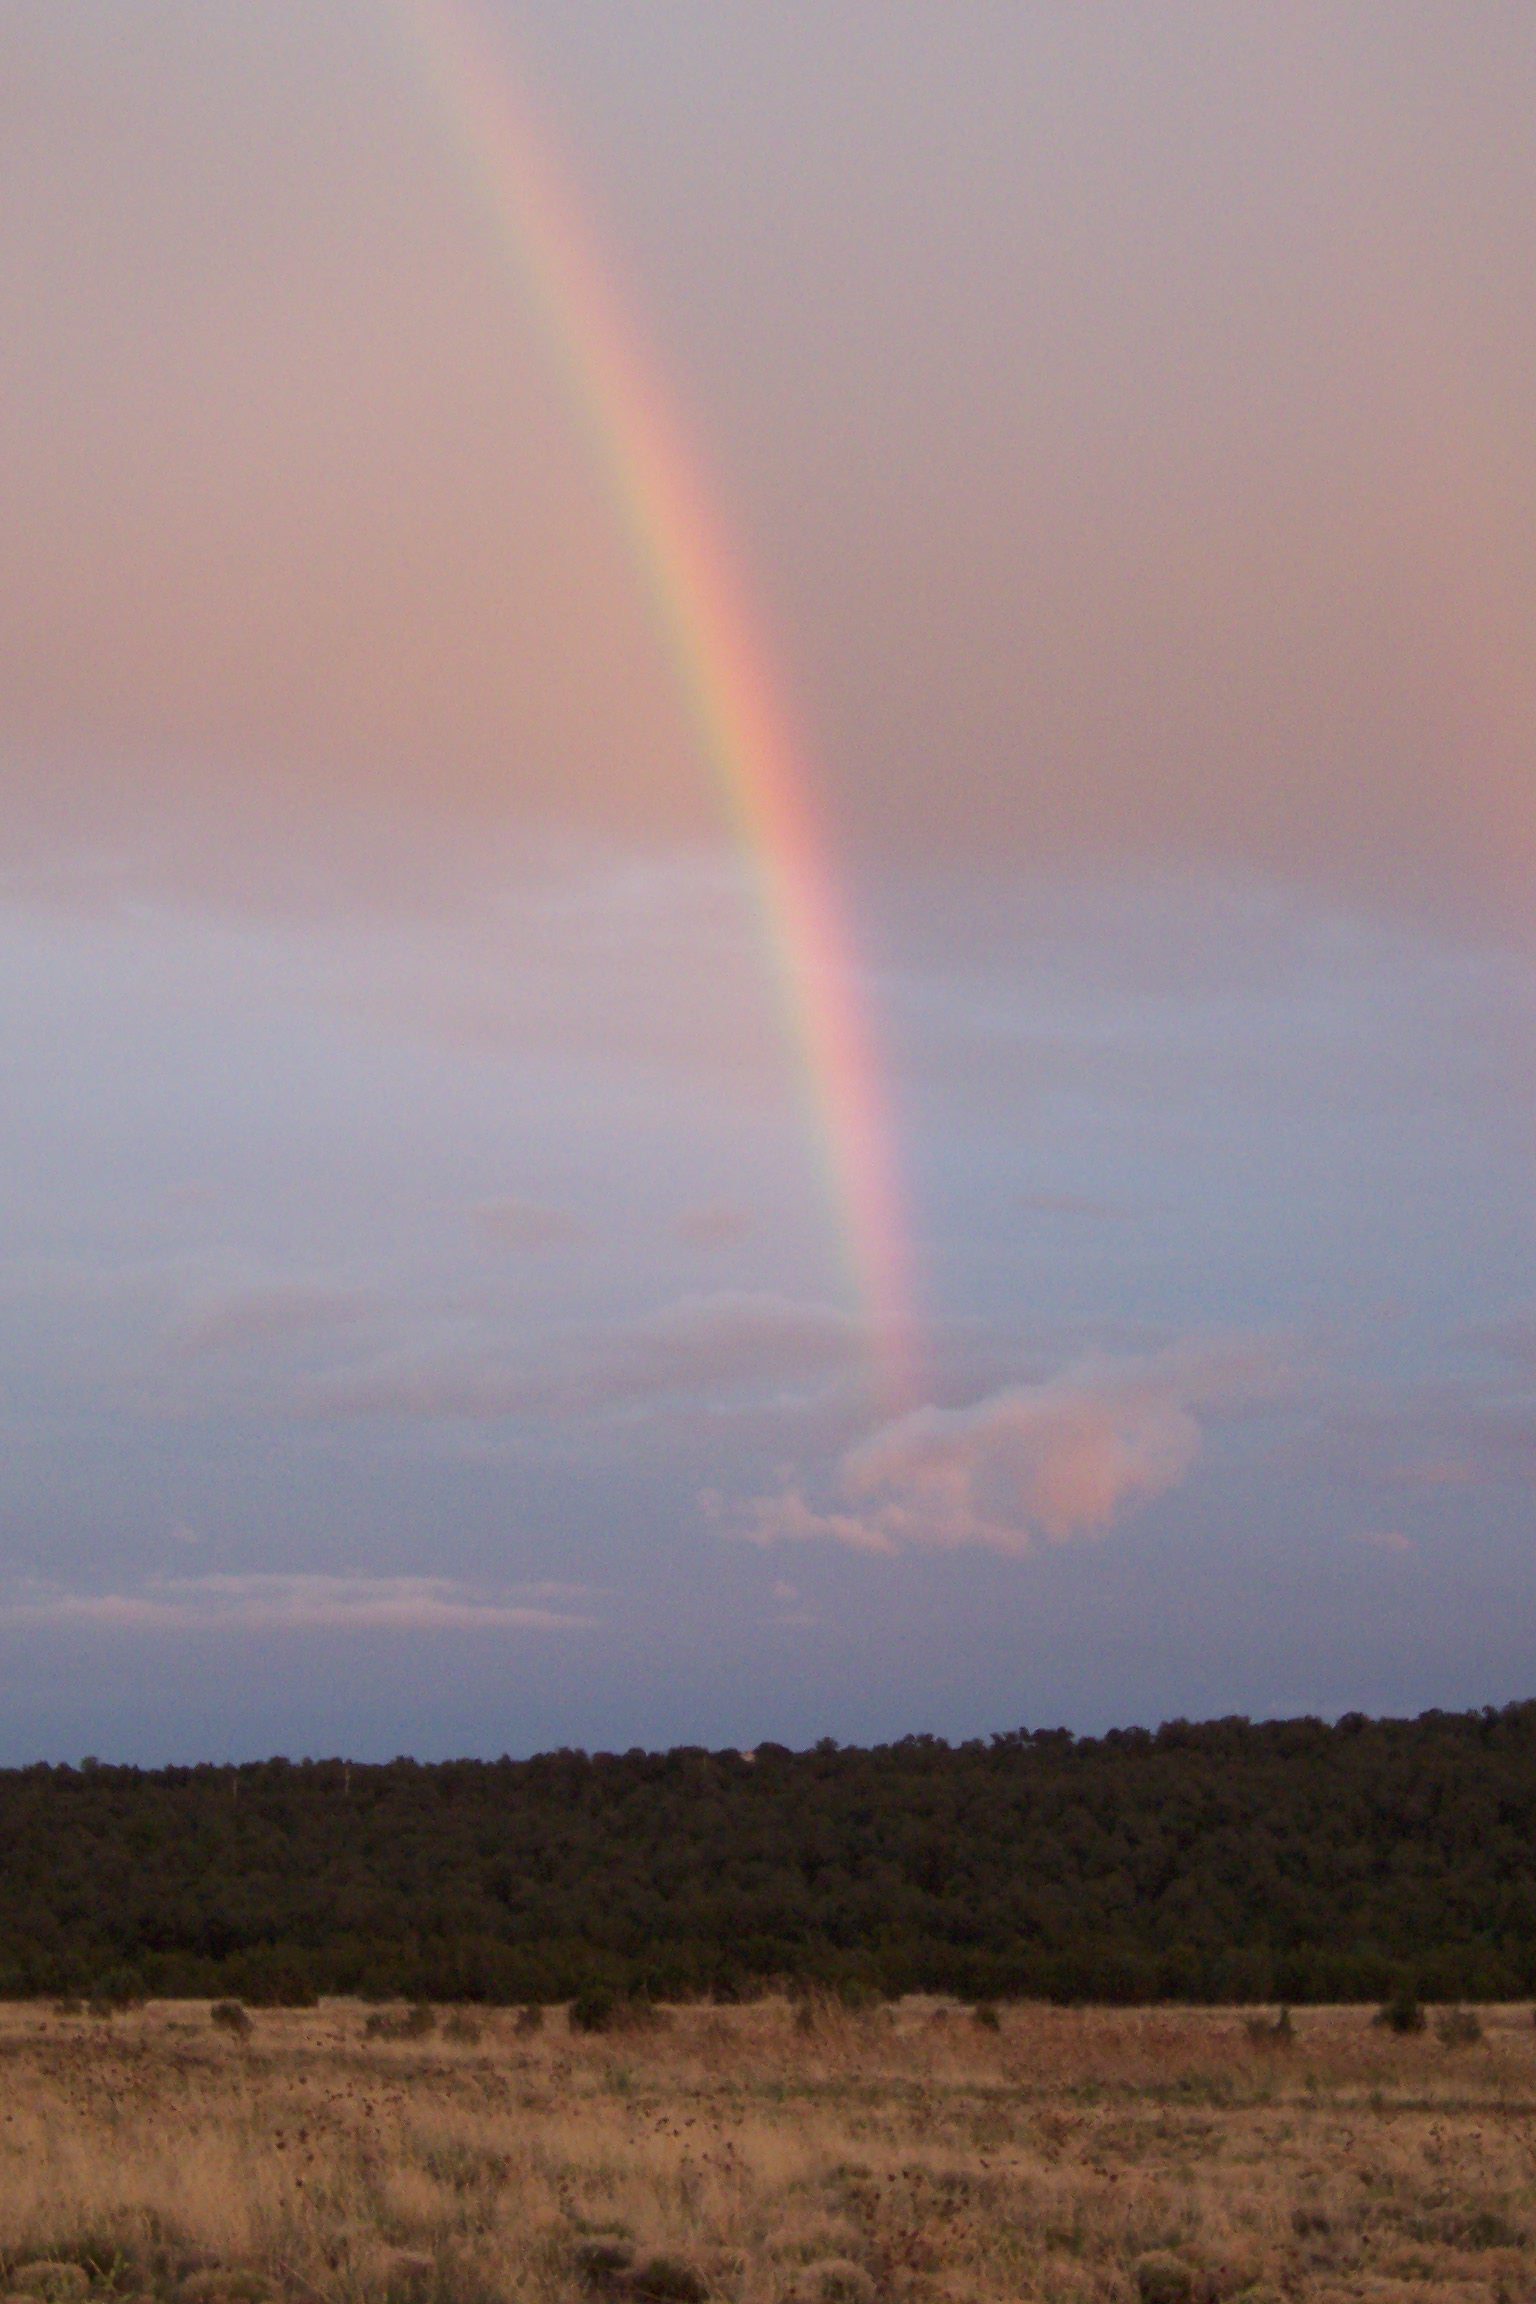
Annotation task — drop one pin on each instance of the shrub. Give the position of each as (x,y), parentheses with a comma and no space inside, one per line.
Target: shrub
(1162,2278)
(1458,2027)
(985,2016)
(600,2009)
(594,2010)
(668,2280)
(636,2015)
(462,2027)
(531,2018)
(1402,2012)
(413,2023)
(603,2258)
(230,2017)
(119,1988)
(833,2280)
(857,1994)
(816,2005)
(56,2282)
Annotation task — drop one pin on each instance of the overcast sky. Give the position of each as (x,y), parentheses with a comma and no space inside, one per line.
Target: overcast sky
(425,1313)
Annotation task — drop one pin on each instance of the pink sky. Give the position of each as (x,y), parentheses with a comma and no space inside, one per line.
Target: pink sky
(1122,420)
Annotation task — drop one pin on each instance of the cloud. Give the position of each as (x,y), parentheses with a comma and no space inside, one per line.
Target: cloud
(1058,1460)
(720,1224)
(1385,1539)
(527,1224)
(299,1603)
(698,1344)
(1436,1475)
(735,1337)
(270,1313)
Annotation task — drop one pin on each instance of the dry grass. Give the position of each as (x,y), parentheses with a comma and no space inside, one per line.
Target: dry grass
(927,2156)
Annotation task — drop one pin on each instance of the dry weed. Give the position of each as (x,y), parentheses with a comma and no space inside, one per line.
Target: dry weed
(767,2155)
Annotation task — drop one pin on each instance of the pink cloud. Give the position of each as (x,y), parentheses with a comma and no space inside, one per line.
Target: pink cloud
(1051,1461)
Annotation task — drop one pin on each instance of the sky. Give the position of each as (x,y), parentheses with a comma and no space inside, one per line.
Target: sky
(766,948)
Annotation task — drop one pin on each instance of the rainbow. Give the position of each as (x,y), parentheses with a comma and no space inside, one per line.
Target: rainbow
(716,644)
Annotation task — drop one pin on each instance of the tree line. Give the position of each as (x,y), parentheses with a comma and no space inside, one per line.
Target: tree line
(1226,1861)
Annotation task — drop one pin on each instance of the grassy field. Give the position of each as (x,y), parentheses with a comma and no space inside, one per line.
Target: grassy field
(765,2155)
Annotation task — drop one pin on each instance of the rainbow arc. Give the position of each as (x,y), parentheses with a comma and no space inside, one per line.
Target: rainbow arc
(716,643)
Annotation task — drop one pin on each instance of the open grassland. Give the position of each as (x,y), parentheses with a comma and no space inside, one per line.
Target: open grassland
(763,2154)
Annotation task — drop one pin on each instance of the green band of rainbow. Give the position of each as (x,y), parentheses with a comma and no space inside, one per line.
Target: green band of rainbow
(716,644)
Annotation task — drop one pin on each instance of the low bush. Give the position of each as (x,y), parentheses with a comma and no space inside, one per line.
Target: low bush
(415,2023)
(600,2009)
(1163,2278)
(119,1988)
(593,2010)
(1402,2013)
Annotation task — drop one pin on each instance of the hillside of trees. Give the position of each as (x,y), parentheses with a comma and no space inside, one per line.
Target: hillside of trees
(1228,1861)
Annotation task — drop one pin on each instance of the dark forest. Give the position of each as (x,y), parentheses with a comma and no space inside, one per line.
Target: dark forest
(1229,1861)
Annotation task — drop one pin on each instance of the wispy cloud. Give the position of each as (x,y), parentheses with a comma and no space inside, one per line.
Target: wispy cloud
(512,1223)
(1460,1430)
(1436,1475)
(697,1344)
(1050,1461)
(1385,1539)
(297,1603)
(270,1312)
(719,1224)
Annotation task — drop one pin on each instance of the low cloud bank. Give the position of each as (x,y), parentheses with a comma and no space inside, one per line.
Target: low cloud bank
(1052,1462)
(300,1603)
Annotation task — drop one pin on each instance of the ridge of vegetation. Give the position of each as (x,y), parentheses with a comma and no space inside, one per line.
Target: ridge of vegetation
(1230,1861)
